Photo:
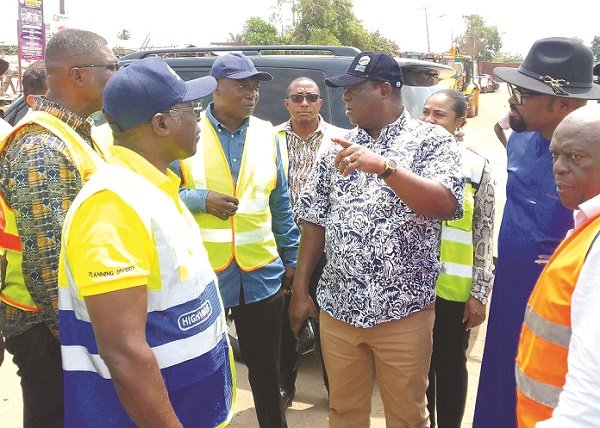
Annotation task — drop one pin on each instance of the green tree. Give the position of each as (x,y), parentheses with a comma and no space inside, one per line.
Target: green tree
(237,38)
(596,47)
(507,57)
(316,22)
(124,34)
(479,40)
(257,31)
(333,22)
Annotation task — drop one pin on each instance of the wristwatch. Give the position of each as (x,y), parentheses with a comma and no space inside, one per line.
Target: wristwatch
(390,166)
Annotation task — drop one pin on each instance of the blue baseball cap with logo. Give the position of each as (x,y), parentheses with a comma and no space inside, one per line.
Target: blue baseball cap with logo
(237,66)
(376,66)
(138,91)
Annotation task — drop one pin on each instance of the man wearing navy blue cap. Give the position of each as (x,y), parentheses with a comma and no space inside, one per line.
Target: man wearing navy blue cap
(378,199)
(237,189)
(143,330)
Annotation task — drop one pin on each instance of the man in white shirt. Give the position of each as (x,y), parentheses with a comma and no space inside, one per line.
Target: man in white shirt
(558,361)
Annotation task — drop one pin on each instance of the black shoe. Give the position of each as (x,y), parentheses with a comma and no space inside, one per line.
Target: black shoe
(287,397)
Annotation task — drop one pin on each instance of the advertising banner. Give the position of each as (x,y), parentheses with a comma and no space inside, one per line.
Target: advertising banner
(32,40)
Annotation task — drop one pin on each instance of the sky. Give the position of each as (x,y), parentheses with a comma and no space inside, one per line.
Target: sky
(200,22)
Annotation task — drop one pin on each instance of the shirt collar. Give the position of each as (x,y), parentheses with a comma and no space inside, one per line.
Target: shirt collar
(123,156)
(320,128)
(588,209)
(399,123)
(78,123)
(218,125)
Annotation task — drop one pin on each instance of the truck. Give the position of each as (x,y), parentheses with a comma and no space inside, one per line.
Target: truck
(464,79)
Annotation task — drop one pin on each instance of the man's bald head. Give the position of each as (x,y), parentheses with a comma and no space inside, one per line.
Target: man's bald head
(68,47)
(79,63)
(576,151)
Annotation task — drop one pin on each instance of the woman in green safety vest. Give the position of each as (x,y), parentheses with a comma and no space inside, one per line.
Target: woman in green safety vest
(466,278)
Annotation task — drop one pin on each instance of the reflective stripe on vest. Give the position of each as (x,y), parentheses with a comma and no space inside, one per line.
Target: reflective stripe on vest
(185,325)
(541,364)
(283,149)
(247,236)
(455,281)
(85,159)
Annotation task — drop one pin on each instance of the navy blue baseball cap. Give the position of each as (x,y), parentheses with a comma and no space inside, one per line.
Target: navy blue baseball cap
(137,92)
(237,66)
(369,66)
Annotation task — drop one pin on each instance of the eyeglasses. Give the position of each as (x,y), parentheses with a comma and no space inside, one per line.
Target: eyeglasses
(518,93)
(112,66)
(298,98)
(196,108)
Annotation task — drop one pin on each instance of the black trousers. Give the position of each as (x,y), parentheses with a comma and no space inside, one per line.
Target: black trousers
(258,327)
(288,371)
(36,353)
(448,377)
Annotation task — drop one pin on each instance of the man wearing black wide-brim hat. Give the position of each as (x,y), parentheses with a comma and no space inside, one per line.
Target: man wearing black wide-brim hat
(555,79)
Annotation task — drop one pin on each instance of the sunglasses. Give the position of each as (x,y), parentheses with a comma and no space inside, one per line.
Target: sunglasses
(518,93)
(112,66)
(298,98)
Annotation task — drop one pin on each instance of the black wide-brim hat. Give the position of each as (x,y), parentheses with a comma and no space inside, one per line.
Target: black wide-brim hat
(556,66)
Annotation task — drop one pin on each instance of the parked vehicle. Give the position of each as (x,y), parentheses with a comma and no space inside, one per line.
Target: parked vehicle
(285,63)
(487,83)
(465,76)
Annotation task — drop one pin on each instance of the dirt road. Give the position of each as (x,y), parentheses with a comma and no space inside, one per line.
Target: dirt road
(310,406)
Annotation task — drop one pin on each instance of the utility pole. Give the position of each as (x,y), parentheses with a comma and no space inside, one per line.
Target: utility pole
(61,7)
(427,29)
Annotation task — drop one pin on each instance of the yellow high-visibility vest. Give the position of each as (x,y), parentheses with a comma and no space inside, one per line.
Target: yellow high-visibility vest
(247,236)
(454,283)
(85,159)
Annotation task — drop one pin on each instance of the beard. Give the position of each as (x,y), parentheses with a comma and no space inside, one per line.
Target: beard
(517,123)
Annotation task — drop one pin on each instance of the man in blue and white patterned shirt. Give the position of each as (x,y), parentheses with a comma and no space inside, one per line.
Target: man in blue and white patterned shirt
(376,206)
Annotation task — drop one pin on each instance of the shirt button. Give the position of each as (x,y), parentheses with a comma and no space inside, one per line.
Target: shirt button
(234,159)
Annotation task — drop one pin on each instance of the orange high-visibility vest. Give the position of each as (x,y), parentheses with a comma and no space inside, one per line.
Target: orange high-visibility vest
(541,367)
(86,160)
(247,236)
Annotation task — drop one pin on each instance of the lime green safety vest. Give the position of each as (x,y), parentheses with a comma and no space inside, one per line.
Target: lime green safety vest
(247,236)
(455,281)
(85,159)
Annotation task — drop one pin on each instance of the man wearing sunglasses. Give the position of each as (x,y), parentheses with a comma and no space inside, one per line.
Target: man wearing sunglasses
(43,164)
(554,79)
(301,139)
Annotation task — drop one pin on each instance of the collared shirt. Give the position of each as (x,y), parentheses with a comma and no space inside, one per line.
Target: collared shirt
(39,181)
(579,401)
(382,258)
(587,210)
(234,283)
(302,155)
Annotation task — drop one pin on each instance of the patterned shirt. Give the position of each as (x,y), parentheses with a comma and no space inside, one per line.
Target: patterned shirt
(39,181)
(302,155)
(483,237)
(382,258)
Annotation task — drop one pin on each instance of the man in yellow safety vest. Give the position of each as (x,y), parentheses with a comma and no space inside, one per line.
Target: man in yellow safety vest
(43,164)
